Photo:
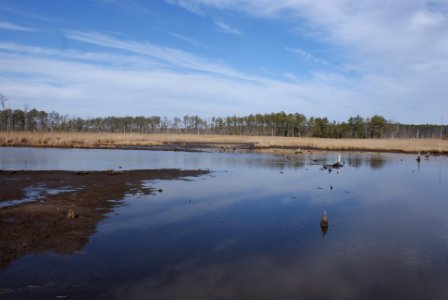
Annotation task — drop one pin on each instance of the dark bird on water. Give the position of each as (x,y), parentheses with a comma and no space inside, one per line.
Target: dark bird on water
(324,222)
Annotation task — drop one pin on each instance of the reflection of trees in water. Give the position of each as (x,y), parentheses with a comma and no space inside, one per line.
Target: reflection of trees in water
(354,161)
(292,162)
(377,162)
(278,163)
(324,230)
(374,161)
(270,162)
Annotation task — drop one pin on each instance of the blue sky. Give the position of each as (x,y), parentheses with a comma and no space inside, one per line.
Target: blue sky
(337,58)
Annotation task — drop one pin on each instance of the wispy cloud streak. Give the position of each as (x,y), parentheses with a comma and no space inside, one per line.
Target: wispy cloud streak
(190,41)
(188,5)
(228,29)
(68,81)
(302,53)
(12,26)
(174,57)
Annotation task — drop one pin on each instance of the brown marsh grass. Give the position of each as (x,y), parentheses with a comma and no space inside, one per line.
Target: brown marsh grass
(117,140)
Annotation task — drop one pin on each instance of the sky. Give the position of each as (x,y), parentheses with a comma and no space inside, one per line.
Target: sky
(335,58)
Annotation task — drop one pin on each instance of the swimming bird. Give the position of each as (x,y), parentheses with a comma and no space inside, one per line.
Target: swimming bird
(324,222)
(418,157)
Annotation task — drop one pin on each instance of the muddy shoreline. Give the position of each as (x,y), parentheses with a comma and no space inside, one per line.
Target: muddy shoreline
(231,147)
(42,225)
(197,148)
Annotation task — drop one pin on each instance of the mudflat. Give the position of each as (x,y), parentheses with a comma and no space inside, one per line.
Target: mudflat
(44,223)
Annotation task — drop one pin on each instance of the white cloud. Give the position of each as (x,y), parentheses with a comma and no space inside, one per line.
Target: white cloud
(387,43)
(170,82)
(424,19)
(302,53)
(11,26)
(229,29)
(189,40)
(68,81)
(397,49)
(171,56)
(385,29)
(188,5)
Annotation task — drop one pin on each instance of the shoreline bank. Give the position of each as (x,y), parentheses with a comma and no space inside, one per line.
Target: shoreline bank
(196,143)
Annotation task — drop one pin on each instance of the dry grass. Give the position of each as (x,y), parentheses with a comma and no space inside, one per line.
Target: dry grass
(113,140)
(75,140)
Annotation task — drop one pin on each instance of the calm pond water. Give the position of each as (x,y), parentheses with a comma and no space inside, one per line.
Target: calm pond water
(251,229)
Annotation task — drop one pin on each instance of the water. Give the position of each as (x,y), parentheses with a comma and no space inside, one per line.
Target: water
(250,230)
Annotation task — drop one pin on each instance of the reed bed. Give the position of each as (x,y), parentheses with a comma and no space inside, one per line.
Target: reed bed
(117,140)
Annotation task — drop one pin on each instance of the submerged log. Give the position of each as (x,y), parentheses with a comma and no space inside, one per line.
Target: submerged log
(324,222)
(338,164)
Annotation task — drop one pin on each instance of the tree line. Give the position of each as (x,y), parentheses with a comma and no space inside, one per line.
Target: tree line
(272,124)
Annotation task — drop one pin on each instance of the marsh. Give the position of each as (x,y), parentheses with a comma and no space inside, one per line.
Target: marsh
(246,228)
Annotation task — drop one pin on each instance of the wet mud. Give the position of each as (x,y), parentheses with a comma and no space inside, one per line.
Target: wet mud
(58,211)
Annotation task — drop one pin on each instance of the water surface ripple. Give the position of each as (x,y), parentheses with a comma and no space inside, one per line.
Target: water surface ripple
(251,229)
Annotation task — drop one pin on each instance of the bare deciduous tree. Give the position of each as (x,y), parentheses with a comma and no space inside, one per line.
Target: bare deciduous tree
(3,99)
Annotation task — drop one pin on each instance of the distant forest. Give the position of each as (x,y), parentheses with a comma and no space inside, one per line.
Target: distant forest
(273,124)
